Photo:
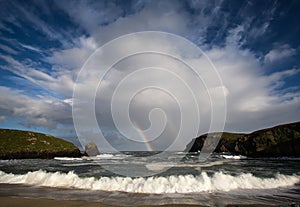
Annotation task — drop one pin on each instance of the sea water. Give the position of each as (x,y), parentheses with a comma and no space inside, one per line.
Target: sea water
(220,180)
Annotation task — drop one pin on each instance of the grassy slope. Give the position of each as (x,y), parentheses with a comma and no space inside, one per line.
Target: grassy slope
(280,133)
(17,142)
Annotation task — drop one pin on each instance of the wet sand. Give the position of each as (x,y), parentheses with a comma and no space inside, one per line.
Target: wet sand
(43,202)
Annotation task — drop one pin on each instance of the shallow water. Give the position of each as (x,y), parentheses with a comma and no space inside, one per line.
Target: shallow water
(218,181)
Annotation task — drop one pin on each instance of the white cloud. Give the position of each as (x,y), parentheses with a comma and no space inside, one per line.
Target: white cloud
(5,28)
(169,16)
(8,49)
(91,15)
(61,81)
(29,47)
(40,111)
(235,36)
(2,119)
(249,90)
(15,14)
(73,58)
(279,53)
(251,95)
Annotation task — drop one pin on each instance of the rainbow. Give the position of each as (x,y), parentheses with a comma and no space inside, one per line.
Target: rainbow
(145,138)
(147,143)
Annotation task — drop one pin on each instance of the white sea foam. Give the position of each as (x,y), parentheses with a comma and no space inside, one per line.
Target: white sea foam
(158,166)
(158,185)
(162,165)
(235,157)
(67,158)
(105,156)
(98,157)
(80,164)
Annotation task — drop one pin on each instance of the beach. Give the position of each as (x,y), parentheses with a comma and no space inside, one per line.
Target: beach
(16,202)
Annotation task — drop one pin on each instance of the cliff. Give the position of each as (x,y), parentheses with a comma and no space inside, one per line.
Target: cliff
(278,141)
(16,144)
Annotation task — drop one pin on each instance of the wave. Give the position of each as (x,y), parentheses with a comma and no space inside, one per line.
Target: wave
(156,185)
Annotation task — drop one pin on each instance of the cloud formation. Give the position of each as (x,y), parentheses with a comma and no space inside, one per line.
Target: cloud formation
(279,53)
(39,111)
(257,96)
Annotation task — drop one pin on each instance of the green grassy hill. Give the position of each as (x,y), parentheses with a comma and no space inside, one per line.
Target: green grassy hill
(16,144)
(282,140)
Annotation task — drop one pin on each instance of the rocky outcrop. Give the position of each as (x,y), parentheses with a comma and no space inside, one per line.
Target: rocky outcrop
(16,144)
(282,140)
(91,149)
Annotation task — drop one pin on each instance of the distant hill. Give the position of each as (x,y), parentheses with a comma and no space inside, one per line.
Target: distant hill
(16,144)
(278,141)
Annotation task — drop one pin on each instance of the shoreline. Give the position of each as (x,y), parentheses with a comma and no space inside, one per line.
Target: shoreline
(7,201)
(45,202)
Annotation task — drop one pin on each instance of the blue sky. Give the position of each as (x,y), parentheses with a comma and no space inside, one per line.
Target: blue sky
(43,45)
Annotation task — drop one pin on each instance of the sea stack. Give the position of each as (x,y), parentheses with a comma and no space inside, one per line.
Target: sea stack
(91,149)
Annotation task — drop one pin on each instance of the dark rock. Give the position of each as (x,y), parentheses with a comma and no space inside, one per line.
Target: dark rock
(91,149)
(282,140)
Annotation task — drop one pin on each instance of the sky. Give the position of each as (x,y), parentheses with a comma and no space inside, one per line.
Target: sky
(254,46)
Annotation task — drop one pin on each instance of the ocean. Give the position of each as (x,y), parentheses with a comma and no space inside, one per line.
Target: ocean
(218,181)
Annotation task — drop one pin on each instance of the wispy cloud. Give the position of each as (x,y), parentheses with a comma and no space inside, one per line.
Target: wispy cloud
(29,47)
(17,13)
(8,49)
(61,81)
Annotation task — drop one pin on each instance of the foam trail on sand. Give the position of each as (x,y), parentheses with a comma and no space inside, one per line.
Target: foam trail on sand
(156,185)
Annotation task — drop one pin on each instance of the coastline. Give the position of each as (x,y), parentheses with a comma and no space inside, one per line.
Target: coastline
(38,202)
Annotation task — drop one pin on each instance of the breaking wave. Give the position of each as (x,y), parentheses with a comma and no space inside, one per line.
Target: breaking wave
(156,185)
